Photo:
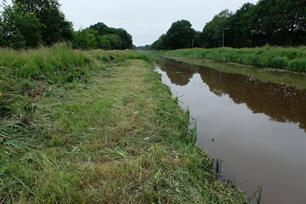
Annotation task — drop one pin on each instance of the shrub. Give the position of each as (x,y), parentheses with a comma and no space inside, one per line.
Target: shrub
(298,65)
(279,62)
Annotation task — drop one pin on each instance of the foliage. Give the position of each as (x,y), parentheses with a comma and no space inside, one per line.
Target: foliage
(85,39)
(268,22)
(102,37)
(180,35)
(110,42)
(19,29)
(281,22)
(160,44)
(212,33)
(31,23)
(56,28)
(273,22)
(240,32)
(28,24)
(125,37)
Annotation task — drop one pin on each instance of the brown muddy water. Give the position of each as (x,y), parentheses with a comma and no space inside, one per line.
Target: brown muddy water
(257,129)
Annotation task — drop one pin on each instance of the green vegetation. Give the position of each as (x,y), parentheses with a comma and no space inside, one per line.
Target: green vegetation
(271,22)
(97,127)
(100,36)
(180,35)
(29,24)
(293,59)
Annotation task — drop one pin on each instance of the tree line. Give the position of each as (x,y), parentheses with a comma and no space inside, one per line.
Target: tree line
(273,22)
(100,36)
(29,24)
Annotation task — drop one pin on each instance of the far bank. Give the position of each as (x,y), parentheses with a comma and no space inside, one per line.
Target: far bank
(268,64)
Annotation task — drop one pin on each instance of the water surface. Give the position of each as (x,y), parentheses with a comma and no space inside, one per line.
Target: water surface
(258,129)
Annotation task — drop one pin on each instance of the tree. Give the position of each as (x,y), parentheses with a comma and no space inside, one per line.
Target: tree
(160,43)
(55,27)
(105,37)
(104,43)
(112,40)
(212,32)
(126,38)
(242,27)
(274,22)
(101,28)
(30,23)
(180,35)
(85,39)
(282,22)
(197,39)
(19,29)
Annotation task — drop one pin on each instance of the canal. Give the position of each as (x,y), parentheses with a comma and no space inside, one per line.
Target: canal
(257,129)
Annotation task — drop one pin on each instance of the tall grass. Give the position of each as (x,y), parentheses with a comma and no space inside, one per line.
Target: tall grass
(25,75)
(293,59)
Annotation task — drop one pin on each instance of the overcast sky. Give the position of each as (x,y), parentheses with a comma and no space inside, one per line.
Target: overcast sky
(145,20)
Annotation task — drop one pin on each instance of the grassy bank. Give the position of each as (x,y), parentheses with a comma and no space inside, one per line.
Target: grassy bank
(220,63)
(297,80)
(293,59)
(97,127)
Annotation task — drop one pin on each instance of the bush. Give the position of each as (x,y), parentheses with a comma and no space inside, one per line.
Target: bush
(298,65)
(279,62)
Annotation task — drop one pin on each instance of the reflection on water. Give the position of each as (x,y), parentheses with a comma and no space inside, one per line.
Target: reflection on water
(281,103)
(258,128)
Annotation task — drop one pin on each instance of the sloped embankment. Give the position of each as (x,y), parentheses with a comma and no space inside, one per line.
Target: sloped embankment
(112,135)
